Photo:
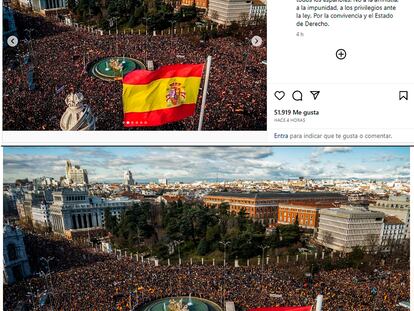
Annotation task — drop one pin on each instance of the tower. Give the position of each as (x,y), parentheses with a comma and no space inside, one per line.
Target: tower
(128,180)
(68,169)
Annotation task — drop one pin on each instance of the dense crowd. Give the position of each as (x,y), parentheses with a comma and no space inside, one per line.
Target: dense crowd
(236,93)
(107,283)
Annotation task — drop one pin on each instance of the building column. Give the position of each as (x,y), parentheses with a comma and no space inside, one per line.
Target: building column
(94,219)
(79,221)
(84,221)
(73,217)
(89,220)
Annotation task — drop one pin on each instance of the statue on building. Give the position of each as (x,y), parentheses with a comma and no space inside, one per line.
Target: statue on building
(78,115)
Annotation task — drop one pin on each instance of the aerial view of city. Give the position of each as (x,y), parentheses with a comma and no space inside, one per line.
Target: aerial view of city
(206,228)
(72,65)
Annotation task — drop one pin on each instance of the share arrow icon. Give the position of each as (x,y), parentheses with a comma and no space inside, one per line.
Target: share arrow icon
(315,94)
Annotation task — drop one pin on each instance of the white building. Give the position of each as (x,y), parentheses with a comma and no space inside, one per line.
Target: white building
(163,181)
(258,10)
(45,7)
(116,207)
(44,182)
(15,263)
(76,175)
(228,11)
(392,233)
(342,229)
(40,215)
(128,180)
(74,210)
(398,206)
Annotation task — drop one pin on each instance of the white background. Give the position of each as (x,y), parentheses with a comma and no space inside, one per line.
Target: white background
(360,92)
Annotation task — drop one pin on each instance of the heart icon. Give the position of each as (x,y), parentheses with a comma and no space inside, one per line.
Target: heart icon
(279,95)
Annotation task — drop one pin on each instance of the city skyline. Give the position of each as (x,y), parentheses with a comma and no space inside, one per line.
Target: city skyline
(189,164)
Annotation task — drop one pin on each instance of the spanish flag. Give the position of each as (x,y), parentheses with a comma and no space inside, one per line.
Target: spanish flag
(307,308)
(168,94)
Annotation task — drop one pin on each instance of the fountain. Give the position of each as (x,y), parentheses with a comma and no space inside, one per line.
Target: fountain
(180,303)
(190,303)
(114,68)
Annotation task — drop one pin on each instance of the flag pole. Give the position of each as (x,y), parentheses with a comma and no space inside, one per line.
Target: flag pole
(319,300)
(203,101)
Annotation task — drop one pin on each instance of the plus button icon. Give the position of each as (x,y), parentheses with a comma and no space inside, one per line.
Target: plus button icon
(341,54)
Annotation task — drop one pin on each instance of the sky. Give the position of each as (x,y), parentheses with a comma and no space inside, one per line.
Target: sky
(187,164)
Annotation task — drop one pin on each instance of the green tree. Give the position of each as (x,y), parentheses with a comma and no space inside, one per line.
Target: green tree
(161,251)
(296,221)
(72,5)
(202,248)
(242,219)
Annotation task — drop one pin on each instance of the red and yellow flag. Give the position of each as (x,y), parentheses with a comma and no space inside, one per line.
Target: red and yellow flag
(307,308)
(168,94)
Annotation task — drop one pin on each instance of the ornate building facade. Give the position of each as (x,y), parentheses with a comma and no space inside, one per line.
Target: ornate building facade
(15,263)
(262,206)
(76,175)
(74,211)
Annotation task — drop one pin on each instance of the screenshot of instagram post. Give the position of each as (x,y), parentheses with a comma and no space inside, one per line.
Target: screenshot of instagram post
(341,72)
(211,229)
(149,65)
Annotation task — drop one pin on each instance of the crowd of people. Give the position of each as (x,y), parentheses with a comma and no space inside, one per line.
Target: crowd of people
(236,93)
(107,283)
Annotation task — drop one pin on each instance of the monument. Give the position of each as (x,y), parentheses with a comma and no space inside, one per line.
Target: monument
(114,68)
(78,116)
(180,303)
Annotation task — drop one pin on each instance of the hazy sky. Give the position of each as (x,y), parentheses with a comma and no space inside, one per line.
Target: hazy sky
(202,163)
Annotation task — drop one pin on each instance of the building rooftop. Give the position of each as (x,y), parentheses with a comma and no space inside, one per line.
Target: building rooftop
(351,211)
(392,220)
(305,206)
(71,191)
(277,195)
(258,3)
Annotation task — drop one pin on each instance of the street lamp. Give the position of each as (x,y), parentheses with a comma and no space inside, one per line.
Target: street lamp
(172,31)
(47,260)
(224,268)
(43,275)
(203,33)
(263,247)
(32,296)
(224,245)
(146,37)
(246,54)
(111,23)
(29,32)
(177,243)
